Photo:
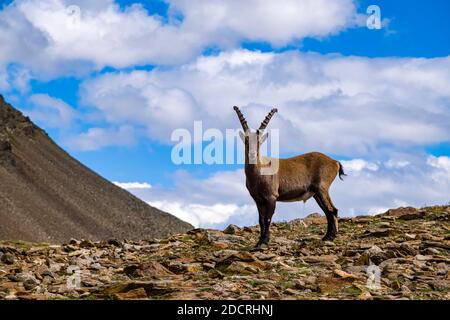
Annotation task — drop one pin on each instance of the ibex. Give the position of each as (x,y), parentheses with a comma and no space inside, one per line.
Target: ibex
(297,179)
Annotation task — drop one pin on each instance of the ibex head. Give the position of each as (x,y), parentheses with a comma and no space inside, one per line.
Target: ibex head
(253,140)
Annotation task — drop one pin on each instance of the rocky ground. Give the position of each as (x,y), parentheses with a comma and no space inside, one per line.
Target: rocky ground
(401,254)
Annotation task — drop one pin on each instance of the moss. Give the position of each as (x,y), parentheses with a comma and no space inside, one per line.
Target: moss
(301,265)
(22,245)
(352,291)
(255,296)
(256,283)
(284,274)
(443,253)
(287,284)
(186,238)
(244,243)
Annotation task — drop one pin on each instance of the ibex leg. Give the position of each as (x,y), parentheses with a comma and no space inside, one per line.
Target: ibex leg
(324,201)
(266,210)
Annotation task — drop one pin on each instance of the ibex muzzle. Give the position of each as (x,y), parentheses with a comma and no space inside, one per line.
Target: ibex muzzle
(297,179)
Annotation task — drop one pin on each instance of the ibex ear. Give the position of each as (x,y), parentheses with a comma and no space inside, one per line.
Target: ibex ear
(263,138)
(242,135)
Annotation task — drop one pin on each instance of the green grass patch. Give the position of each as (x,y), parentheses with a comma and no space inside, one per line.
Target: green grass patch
(352,291)
(186,238)
(256,283)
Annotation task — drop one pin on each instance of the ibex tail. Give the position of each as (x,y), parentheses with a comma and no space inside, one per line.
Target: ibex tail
(341,171)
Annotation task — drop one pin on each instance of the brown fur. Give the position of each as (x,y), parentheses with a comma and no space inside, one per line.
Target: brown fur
(297,179)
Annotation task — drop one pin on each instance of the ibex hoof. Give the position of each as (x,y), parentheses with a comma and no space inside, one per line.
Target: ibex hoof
(261,246)
(329,237)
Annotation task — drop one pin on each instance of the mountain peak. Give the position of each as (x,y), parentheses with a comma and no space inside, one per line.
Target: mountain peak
(12,121)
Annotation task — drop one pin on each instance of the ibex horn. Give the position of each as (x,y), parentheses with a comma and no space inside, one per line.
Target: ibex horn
(267,119)
(241,118)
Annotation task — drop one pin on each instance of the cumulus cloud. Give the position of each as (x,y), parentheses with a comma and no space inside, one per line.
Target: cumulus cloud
(277,22)
(53,37)
(214,201)
(217,215)
(357,165)
(420,183)
(97,138)
(135,99)
(353,106)
(133,185)
(391,163)
(15,78)
(442,163)
(219,187)
(4,85)
(53,112)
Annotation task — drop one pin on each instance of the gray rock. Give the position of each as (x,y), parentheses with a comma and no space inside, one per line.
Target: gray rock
(7,258)
(30,284)
(231,229)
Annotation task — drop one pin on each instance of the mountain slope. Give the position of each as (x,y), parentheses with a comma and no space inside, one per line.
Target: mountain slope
(46,195)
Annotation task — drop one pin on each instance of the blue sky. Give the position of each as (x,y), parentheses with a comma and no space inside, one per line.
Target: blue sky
(331,74)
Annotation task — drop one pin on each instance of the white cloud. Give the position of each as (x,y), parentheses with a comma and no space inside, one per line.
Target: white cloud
(391,163)
(204,215)
(51,111)
(442,162)
(4,85)
(50,38)
(215,201)
(15,77)
(356,165)
(19,79)
(133,185)
(223,187)
(375,210)
(278,22)
(134,99)
(419,183)
(353,106)
(442,173)
(97,138)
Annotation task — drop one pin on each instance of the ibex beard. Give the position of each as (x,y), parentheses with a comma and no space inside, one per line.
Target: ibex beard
(296,179)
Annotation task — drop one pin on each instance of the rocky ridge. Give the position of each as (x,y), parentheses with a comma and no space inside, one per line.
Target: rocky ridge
(401,254)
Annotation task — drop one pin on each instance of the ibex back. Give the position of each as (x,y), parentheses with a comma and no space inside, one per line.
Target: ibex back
(297,179)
